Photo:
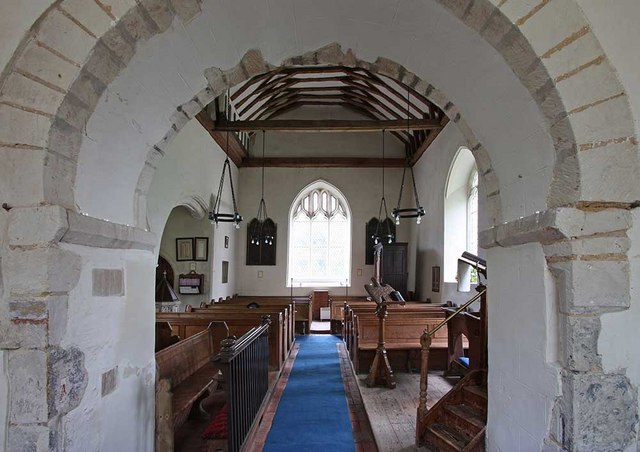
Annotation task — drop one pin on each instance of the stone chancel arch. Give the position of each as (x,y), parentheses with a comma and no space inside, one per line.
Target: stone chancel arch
(99,88)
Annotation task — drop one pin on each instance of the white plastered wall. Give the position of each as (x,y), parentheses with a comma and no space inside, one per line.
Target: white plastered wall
(431,173)
(168,70)
(523,376)
(181,224)
(113,332)
(191,169)
(361,187)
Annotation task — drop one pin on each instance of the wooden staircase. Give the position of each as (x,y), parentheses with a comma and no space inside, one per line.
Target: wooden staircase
(458,421)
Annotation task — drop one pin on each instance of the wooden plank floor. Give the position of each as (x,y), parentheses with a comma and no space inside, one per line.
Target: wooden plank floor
(392,412)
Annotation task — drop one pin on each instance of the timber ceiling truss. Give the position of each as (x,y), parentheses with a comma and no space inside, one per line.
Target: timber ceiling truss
(258,103)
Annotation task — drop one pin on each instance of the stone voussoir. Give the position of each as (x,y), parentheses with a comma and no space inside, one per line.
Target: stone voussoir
(592,286)
(37,226)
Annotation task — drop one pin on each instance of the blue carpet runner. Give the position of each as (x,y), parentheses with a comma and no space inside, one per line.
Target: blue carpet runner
(313,414)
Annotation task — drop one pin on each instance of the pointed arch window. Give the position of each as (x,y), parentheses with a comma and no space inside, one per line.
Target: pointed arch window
(319,253)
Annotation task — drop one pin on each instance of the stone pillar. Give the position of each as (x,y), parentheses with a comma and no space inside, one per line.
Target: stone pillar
(586,252)
(597,411)
(45,380)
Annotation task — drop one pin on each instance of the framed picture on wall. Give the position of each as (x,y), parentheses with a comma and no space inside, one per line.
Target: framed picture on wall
(202,249)
(435,279)
(184,249)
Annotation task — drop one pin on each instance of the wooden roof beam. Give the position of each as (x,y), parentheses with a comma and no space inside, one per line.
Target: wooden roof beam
(237,153)
(327,125)
(323,162)
(427,141)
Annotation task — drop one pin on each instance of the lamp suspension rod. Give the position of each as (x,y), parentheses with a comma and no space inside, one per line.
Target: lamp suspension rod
(383,163)
(264,137)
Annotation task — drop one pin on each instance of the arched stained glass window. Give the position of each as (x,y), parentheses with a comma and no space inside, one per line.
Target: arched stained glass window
(319,253)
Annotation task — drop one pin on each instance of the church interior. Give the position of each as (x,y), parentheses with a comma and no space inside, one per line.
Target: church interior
(334,225)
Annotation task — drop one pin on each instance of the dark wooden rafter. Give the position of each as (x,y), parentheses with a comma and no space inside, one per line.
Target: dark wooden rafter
(236,151)
(327,125)
(324,162)
(259,102)
(426,142)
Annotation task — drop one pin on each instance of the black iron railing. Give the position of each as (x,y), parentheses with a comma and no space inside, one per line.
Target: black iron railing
(245,366)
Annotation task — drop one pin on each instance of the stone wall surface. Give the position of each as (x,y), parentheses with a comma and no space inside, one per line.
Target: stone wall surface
(94,88)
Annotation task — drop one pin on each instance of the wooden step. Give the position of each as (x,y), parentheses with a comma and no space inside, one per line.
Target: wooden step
(446,439)
(475,396)
(466,418)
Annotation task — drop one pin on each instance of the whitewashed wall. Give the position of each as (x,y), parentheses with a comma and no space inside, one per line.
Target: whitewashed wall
(113,332)
(362,189)
(191,169)
(431,173)
(500,112)
(181,224)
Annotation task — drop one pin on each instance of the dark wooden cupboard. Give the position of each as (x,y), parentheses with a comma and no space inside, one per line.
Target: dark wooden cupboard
(394,266)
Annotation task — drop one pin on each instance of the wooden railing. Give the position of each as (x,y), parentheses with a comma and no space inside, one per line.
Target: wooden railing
(425,343)
(245,366)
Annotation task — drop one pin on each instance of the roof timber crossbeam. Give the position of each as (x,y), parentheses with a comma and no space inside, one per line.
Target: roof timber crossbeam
(386,103)
(327,125)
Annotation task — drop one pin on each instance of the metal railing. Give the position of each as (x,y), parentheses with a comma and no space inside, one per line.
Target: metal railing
(455,313)
(245,366)
(425,342)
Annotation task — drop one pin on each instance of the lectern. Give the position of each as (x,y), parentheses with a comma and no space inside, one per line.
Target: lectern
(381,372)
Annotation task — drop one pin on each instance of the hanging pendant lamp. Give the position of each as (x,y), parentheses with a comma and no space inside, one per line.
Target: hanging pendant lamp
(416,212)
(215,215)
(262,228)
(381,234)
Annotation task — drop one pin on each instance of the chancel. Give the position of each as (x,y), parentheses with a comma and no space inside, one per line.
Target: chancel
(147,137)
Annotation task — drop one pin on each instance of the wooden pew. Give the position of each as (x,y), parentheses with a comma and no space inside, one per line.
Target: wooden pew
(303,309)
(352,308)
(403,331)
(337,305)
(275,310)
(185,375)
(266,302)
(164,336)
(189,323)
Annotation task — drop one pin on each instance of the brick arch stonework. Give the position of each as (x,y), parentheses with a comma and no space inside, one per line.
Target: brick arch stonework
(76,49)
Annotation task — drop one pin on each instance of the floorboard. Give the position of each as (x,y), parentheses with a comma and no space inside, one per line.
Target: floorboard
(392,412)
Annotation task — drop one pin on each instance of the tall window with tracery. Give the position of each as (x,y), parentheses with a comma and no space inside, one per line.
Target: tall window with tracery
(319,252)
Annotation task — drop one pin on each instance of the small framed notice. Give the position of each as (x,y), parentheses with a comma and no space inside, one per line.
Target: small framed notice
(184,249)
(435,279)
(201,249)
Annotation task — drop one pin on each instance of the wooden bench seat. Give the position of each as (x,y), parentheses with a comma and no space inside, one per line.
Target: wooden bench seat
(402,331)
(353,309)
(302,308)
(268,304)
(186,324)
(281,310)
(185,375)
